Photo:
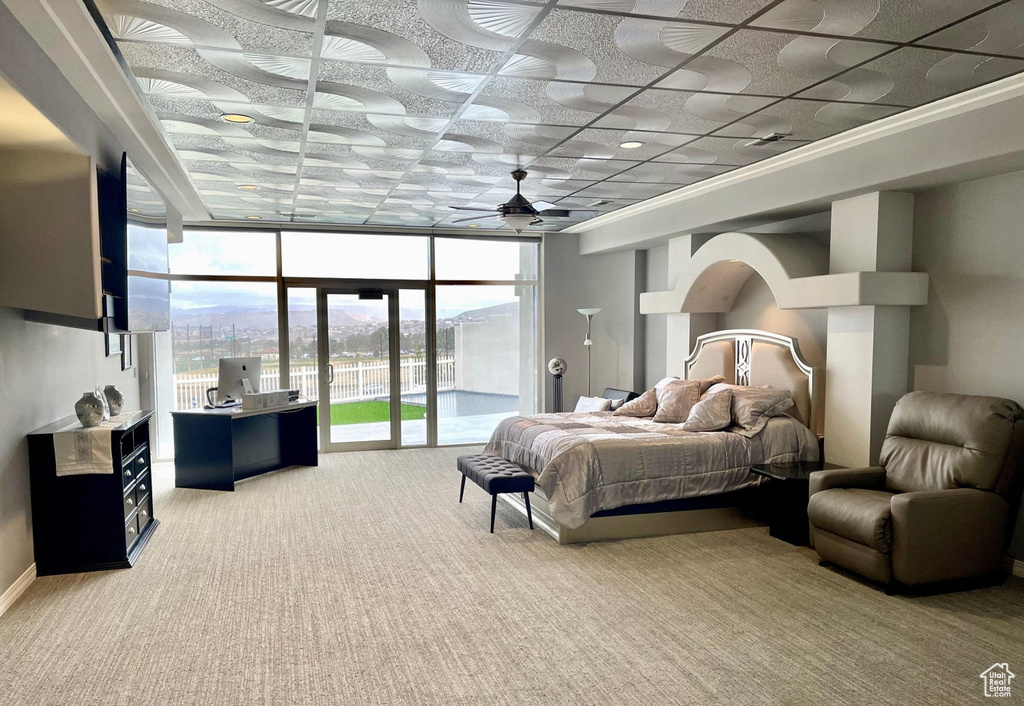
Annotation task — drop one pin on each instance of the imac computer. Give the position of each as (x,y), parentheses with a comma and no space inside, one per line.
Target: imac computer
(235,377)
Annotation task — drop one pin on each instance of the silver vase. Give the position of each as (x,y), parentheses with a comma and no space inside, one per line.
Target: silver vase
(89,409)
(114,399)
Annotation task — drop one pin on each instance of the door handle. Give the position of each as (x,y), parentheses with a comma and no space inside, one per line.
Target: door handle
(330,378)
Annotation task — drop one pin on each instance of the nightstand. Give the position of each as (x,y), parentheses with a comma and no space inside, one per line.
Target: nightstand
(787,496)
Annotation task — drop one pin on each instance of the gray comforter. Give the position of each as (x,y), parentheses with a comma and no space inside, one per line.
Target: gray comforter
(595,461)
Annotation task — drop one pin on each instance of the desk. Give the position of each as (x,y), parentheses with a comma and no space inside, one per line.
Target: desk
(213,448)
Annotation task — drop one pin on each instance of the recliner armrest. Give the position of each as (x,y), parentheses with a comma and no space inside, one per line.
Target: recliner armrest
(872,478)
(947,534)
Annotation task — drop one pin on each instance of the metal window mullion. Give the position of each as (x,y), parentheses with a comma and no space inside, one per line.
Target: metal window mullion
(430,341)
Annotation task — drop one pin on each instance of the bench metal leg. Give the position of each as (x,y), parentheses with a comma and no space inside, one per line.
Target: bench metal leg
(494,506)
(529,514)
(462,489)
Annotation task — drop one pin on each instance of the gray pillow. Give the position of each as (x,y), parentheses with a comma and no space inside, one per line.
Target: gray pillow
(752,407)
(675,401)
(643,406)
(712,413)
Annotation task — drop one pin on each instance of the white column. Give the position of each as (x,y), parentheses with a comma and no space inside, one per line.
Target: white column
(682,330)
(868,346)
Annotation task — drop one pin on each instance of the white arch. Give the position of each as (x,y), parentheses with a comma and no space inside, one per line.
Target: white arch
(795,268)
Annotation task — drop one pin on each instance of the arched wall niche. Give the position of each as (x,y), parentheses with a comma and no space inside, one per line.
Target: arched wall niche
(795,267)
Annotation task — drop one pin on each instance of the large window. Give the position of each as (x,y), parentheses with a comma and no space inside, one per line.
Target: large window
(228,294)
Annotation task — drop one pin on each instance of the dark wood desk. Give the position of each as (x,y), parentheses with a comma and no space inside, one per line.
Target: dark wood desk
(214,448)
(788,492)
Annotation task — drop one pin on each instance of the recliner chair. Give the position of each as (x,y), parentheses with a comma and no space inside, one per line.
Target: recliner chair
(942,503)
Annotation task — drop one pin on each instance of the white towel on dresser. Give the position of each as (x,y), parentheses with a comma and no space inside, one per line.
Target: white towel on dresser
(79,451)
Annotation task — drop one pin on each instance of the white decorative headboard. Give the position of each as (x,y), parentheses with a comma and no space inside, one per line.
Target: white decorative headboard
(754,358)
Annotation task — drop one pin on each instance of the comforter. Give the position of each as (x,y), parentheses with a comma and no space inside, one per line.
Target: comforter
(588,462)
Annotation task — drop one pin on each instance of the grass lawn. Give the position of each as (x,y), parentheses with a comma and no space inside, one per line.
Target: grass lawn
(371,411)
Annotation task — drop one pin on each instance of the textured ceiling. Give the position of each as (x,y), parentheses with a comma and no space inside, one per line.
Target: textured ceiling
(386,112)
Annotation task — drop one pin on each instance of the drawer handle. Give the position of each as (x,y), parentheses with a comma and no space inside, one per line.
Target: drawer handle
(127,474)
(144,513)
(142,487)
(131,530)
(130,502)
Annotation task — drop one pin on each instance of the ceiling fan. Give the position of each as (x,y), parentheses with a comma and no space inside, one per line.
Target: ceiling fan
(518,212)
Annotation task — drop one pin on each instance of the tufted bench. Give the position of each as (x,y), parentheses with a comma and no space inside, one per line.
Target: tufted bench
(496,475)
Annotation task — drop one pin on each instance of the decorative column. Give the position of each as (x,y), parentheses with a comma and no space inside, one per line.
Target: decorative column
(868,346)
(682,330)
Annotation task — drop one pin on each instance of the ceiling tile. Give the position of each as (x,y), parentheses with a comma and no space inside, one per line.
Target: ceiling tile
(594,47)
(899,21)
(682,112)
(524,100)
(997,31)
(727,150)
(733,12)
(913,76)
(813,120)
(386,90)
(445,36)
(770,63)
(665,173)
(604,144)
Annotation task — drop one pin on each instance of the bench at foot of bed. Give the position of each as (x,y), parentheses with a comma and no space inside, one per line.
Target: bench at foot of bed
(496,475)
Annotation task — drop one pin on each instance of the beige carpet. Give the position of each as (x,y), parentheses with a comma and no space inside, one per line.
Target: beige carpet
(363,581)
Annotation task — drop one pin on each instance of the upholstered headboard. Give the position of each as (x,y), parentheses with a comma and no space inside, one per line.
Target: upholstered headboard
(751,357)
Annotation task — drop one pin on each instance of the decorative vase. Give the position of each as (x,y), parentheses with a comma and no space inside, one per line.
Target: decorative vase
(89,409)
(103,400)
(114,399)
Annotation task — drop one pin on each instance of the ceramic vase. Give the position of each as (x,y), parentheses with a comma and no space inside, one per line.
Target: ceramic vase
(114,399)
(103,400)
(89,409)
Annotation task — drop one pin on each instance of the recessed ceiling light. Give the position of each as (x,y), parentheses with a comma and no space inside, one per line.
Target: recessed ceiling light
(236,118)
(631,144)
(474,225)
(248,187)
(134,210)
(253,218)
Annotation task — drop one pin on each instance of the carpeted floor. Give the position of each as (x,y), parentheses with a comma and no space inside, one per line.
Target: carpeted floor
(364,581)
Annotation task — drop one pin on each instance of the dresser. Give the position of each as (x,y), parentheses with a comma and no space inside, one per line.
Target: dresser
(95,521)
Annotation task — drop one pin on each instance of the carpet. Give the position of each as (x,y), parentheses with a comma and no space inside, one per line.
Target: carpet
(363,581)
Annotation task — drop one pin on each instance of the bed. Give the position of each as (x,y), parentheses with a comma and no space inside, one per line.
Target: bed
(603,476)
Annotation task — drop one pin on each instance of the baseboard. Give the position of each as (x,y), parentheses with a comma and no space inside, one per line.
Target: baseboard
(15,590)
(1017,569)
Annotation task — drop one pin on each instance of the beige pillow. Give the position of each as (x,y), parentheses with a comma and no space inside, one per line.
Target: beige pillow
(705,385)
(643,406)
(712,413)
(752,407)
(675,401)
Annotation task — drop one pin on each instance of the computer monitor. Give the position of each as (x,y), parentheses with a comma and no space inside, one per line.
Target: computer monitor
(231,373)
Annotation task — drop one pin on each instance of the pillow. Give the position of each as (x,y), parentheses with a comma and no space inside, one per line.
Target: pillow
(616,403)
(706,384)
(592,404)
(643,406)
(712,413)
(664,381)
(752,407)
(675,401)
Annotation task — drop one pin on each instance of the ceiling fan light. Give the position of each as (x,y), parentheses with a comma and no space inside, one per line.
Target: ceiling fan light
(518,221)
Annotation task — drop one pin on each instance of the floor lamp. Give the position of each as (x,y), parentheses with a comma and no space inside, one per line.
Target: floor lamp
(588,342)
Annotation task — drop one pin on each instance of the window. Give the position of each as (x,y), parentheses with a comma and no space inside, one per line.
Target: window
(354,256)
(465,259)
(486,341)
(222,252)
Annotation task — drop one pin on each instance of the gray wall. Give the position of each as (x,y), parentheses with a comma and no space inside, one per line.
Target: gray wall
(611,281)
(44,369)
(656,325)
(969,337)
(755,307)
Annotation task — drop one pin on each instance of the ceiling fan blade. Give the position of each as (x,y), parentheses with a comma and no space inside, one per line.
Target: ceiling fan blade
(472,218)
(569,213)
(542,205)
(473,208)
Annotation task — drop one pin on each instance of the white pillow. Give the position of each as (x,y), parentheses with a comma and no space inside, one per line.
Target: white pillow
(593,404)
(617,403)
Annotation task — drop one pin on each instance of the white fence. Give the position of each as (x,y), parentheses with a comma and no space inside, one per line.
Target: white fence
(360,380)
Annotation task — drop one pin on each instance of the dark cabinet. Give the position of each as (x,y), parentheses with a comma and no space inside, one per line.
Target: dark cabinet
(96,521)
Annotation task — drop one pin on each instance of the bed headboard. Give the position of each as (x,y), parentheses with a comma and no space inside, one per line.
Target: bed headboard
(752,357)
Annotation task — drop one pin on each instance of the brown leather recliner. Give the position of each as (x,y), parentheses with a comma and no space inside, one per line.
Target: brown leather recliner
(942,503)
